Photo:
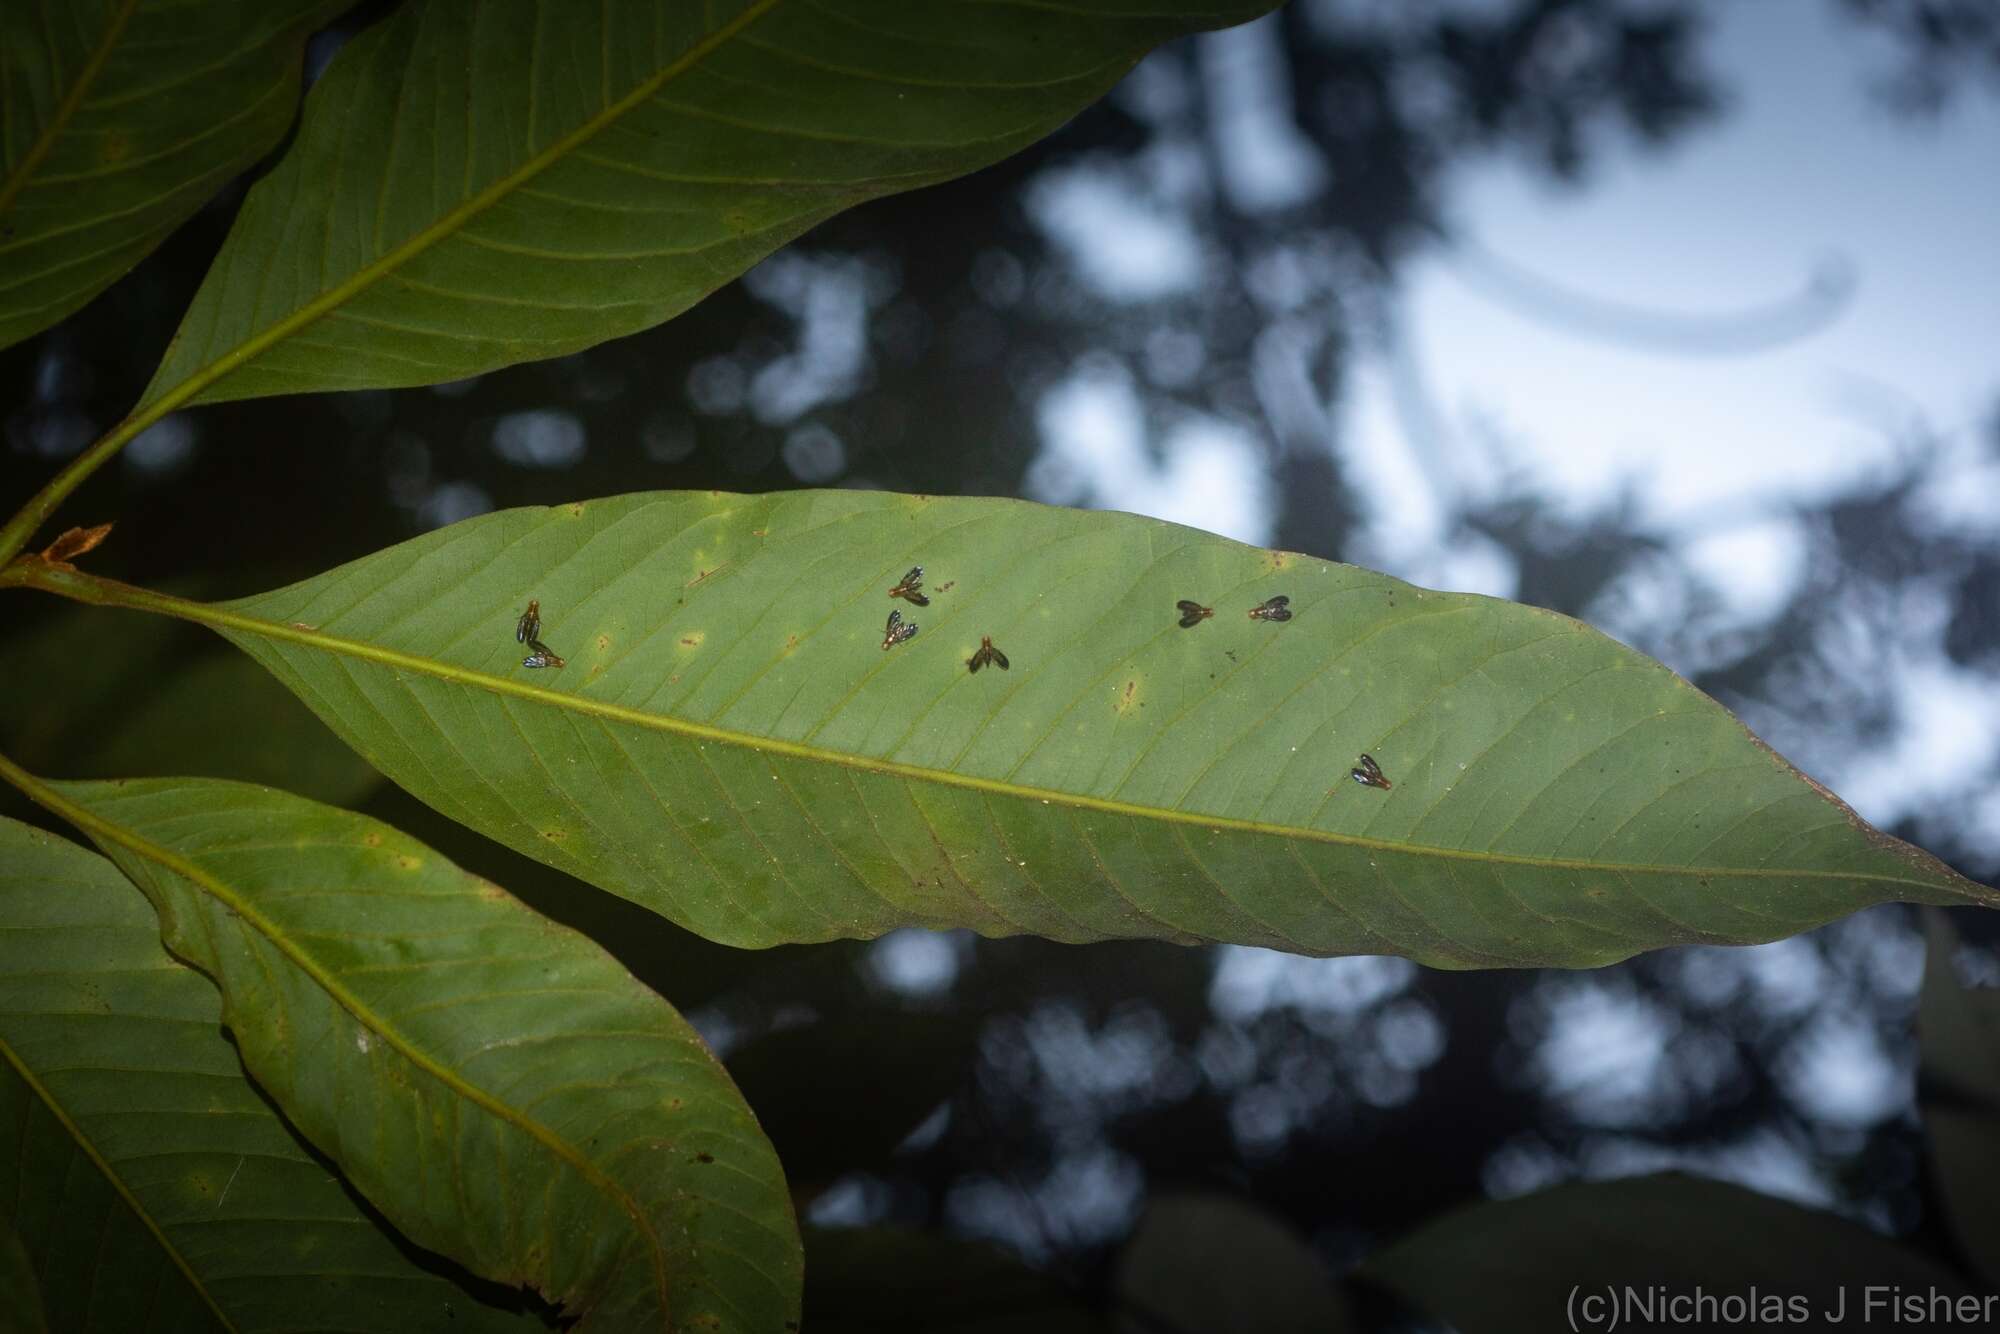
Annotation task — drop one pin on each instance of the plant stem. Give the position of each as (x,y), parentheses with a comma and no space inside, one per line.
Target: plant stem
(42,504)
(67,581)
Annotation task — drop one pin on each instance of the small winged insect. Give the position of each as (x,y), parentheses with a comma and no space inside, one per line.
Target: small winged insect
(1193,613)
(897,630)
(540,655)
(1272,609)
(1369,774)
(987,653)
(912,587)
(530,624)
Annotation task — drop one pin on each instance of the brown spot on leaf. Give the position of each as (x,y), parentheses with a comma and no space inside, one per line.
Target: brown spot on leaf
(407,862)
(603,643)
(693,638)
(372,839)
(704,1157)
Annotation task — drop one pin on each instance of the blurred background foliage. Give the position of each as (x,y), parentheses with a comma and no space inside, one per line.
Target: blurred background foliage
(1038,1095)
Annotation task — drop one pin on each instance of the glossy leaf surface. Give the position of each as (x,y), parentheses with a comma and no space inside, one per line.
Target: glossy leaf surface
(120,118)
(731,745)
(152,1185)
(498,1086)
(478,185)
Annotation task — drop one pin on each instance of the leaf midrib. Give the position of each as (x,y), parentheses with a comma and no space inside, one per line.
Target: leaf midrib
(89,1147)
(453,221)
(218,618)
(86,78)
(88,819)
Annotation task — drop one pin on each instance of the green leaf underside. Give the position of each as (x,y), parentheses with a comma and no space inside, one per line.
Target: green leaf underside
(499,1087)
(120,118)
(157,1188)
(730,745)
(474,186)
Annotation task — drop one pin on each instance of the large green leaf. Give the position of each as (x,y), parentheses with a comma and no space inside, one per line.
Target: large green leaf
(155,1185)
(730,745)
(1665,1253)
(477,185)
(495,1084)
(118,119)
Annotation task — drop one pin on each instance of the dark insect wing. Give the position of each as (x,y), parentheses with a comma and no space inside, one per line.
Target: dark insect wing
(530,624)
(1192,613)
(984,654)
(1272,609)
(1369,774)
(908,588)
(897,630)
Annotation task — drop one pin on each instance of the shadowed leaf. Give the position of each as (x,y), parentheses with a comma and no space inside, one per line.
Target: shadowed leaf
(1958,1084)
(20,1294)
(882,1280)
(1514,1266)
(495,1084)
(1213,1262)
(144,698)
(157,1188)
(120,118)
(478,185)
(731,746)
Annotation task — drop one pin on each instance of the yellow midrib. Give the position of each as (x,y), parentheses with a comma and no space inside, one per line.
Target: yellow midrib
(221,619)
(131,840)
(444,227)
